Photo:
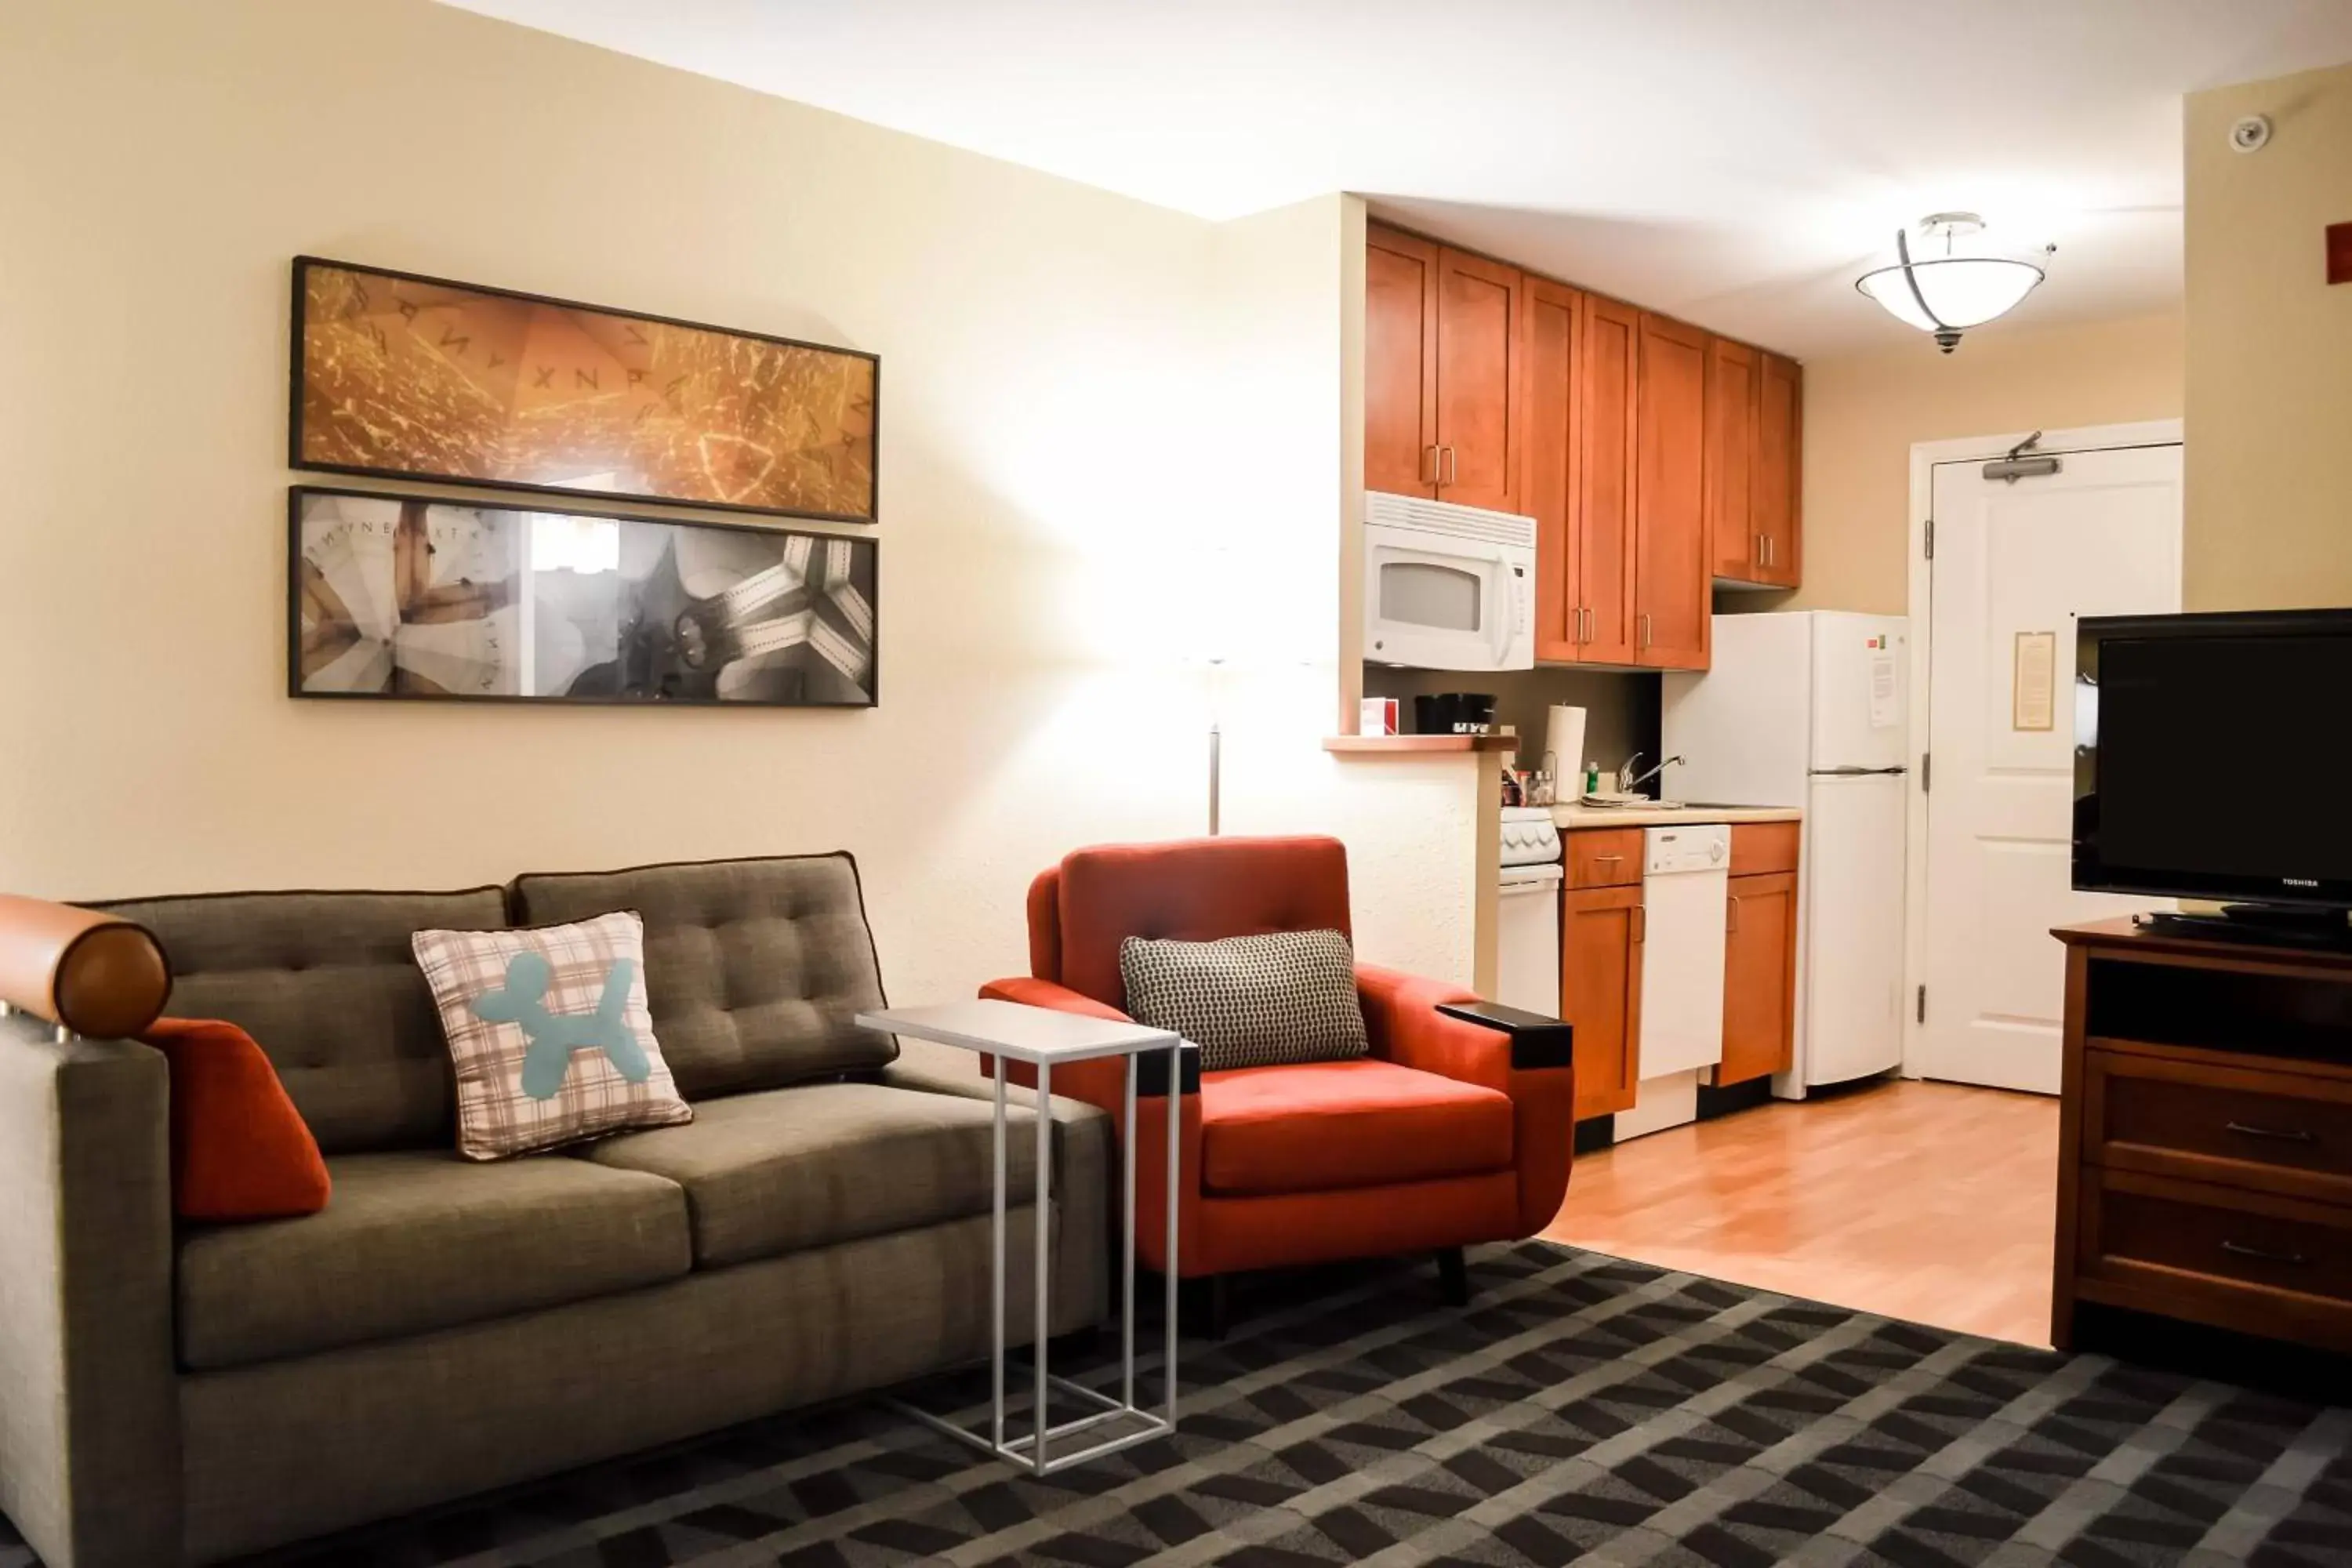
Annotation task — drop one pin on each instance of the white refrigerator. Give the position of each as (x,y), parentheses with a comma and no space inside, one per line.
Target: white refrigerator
(1807,709)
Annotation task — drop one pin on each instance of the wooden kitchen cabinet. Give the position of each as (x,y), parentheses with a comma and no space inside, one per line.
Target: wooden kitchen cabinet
(1444,336)
(1760,977)
(1601,992)
(1734,383)
(1755,413)
(1607,383)
(1778,510)
(1674,606)
(1554,350)
(1583,356)
(1481,319)
(1400,362)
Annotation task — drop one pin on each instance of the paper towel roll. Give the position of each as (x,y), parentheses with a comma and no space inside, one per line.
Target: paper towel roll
(1564,747)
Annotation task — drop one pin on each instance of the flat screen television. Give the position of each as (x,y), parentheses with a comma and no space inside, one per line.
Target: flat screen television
(2213,757)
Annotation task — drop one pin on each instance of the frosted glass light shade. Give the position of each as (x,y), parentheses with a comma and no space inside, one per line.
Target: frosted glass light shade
(1960,291)
(1946,294)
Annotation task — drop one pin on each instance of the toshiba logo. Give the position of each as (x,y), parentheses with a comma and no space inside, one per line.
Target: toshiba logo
(2300,881)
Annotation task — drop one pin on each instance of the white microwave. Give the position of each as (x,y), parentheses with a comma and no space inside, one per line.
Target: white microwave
(1445,586)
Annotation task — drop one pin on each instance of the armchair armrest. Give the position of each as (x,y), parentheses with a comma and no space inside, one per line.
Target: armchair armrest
(1537,1039)
(1104,1083)
(1444,1030)
(90,1446)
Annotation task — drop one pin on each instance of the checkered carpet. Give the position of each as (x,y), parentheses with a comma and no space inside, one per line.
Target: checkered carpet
(1583,1409)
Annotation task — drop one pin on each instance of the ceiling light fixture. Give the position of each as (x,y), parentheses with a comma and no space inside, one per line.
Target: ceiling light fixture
(1949,293)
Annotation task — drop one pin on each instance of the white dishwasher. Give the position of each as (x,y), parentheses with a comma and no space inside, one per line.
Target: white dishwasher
(1686,878)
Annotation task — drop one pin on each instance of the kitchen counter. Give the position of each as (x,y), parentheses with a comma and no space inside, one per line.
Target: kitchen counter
(1571,817)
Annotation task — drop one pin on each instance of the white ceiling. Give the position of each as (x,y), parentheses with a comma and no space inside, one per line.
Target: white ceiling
(1736,161)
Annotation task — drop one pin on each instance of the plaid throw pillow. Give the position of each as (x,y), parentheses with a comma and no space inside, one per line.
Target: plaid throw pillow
(549,1034)
(1250,1001)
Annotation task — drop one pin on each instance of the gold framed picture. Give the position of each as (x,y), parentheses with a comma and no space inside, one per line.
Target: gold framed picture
(405,377)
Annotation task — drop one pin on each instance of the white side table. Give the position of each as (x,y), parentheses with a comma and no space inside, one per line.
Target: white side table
(1042,1036)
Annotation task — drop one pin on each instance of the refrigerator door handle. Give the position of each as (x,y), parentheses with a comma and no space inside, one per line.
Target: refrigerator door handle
(1855,772)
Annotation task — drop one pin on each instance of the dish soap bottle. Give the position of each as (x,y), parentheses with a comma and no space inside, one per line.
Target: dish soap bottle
(1592,778)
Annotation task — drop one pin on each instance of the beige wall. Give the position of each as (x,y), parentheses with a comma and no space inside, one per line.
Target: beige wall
(1047,353)
(1864,412)
(2270,349)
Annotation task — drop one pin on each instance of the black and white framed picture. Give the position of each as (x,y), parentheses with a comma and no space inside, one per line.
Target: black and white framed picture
(407,597)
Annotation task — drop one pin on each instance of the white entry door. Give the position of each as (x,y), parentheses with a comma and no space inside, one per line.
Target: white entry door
(2014,565)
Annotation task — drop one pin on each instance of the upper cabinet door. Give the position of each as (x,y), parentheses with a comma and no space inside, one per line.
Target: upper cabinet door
(1738,548)
(1781,468)
(1672,580)
(1400,363)
(1481,310)
(1609,379)
(1547,492)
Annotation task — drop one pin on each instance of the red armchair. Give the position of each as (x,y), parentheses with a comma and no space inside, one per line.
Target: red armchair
(1433,1141)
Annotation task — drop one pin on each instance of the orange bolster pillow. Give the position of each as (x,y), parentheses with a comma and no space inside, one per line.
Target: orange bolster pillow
(239,1149)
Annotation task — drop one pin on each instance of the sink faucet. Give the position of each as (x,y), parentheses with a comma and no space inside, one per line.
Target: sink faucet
(1628,780)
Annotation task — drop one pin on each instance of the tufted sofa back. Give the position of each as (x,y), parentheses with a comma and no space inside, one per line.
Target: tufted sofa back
(326,985)
(1197,889)
(754,969)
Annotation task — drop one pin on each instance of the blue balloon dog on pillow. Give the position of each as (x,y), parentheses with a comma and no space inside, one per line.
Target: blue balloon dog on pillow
(553,1037)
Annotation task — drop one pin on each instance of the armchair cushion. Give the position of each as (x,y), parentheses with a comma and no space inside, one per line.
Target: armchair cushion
(1323,1126)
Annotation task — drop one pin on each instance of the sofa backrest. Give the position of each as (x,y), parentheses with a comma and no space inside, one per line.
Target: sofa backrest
(325,984)
(1197,889)
(754,969)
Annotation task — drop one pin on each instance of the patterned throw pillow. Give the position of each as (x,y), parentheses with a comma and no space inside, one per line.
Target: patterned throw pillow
(1250,1001)
(549,1034)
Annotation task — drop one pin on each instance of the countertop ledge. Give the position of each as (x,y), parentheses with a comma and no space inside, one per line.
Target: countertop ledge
(1572,818)
(1407,745)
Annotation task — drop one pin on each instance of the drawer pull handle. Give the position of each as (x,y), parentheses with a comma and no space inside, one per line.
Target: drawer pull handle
(1597,858)
(2278,1134)
(2264,1255)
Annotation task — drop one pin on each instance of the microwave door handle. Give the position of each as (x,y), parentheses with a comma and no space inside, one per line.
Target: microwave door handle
(1509,607)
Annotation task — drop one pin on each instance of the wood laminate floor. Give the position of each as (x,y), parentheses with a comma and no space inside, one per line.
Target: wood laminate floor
(1928,1201)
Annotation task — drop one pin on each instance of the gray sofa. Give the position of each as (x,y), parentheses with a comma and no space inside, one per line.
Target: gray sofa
(173,1394)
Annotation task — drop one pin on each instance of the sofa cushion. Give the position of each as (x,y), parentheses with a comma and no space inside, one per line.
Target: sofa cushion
(1322,1126)
(326,985)
(755,969)
(782,1170)
(419,1241)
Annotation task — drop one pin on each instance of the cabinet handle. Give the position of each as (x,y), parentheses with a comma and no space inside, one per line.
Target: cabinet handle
(1641,922)
(1731,926)
(2264,1255)
(1452,468)
(1756,550)
(1435,468)
(1583,624)
(1645,628)
(2281,1134)
(1770,553)
(1599,859)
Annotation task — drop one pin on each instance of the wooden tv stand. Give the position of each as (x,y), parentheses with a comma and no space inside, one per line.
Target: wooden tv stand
(2205,1133)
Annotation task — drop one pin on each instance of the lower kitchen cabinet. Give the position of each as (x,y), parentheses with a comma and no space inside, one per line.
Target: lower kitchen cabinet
(1601,992)
(1760,977)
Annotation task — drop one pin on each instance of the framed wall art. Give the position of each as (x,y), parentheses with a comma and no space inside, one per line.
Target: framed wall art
(409,596)
(414,377)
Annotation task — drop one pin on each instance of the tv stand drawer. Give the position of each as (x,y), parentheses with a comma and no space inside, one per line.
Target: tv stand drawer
(2277,1132)
(2246,1260)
